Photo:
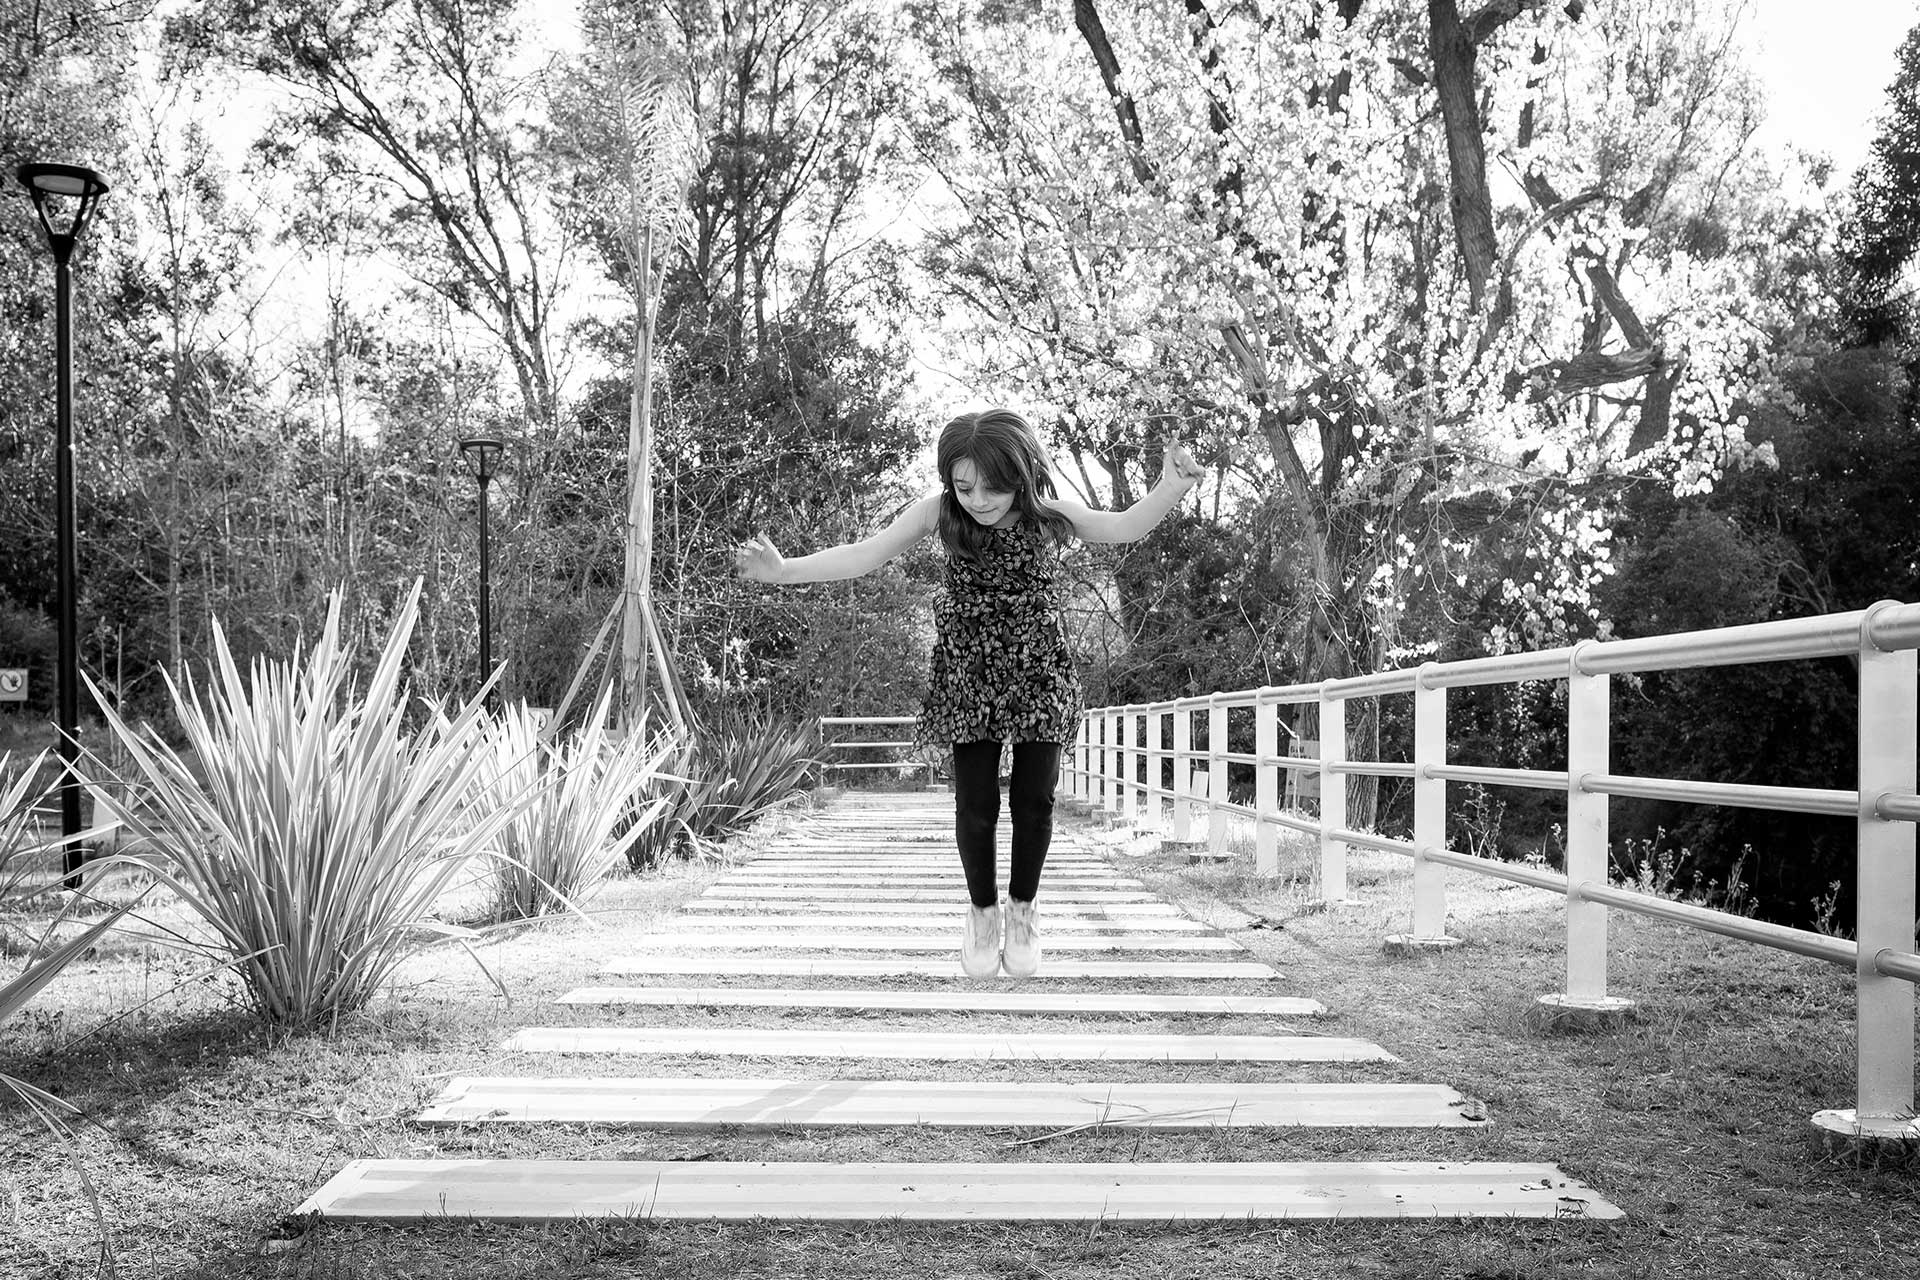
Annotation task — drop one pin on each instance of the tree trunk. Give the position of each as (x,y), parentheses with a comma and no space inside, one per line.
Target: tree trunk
(1454,56)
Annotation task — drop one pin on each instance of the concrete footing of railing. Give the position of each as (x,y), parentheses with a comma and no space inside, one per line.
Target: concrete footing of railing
(1406,944)
(1193,850)
(1558,1011)
(1871,1143)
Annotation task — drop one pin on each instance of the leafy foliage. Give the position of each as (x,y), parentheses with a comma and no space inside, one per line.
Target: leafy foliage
(721,778)
(574,805)
(306,820)
(24,788)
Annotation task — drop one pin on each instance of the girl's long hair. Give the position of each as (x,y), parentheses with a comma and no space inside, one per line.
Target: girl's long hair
(1007,457)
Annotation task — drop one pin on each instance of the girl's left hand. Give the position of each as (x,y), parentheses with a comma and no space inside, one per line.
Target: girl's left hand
(1180,467)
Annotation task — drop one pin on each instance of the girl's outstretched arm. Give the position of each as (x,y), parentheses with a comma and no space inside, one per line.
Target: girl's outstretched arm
(1178,473)
(760,560)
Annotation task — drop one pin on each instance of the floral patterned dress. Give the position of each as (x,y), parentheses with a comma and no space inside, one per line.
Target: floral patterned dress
(1001,670)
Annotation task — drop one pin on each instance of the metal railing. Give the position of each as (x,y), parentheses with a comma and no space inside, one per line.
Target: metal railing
(1122,753)
(829,743)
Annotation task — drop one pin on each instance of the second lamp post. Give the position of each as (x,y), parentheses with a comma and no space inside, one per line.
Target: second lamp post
(78,189)
(483,455)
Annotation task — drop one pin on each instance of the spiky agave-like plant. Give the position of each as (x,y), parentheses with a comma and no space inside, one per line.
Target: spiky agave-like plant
(318,827)
(581,813)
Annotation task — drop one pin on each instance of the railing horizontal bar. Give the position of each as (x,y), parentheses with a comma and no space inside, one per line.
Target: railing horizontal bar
(1287,820)
(1898,964)
(1897,626)
(1517,872)
(1292,694)
(1366,840)
(1780,641)
(1375,685)
(1542,779)
(1505,668)
(1801,941)
(1898,807)
(1743,795)
(1375,768)
(869,719)
(848,746)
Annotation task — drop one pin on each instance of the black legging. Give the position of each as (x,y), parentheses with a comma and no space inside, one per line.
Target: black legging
(976,810)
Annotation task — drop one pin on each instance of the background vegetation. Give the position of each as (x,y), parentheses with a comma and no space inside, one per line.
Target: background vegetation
(1496,323)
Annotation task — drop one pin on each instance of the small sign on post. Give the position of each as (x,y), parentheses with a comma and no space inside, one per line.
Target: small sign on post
(13,684)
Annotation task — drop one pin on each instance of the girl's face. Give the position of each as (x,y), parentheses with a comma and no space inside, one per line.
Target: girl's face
(987,506)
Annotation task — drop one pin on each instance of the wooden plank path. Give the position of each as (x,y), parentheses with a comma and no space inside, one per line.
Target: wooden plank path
(672,1102)
(878,875)
(967,999)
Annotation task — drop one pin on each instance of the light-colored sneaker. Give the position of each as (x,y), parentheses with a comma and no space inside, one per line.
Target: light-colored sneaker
(980,944)
(1020,954)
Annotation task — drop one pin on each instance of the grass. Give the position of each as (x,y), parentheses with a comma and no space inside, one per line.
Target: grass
(1694,1118)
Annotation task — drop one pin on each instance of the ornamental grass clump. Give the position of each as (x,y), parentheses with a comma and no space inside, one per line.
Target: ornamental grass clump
(23,850)
(318,827)
(577,808)
(728,773)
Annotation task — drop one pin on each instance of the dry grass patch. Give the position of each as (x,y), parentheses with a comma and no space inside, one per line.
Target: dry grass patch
(1694,1118)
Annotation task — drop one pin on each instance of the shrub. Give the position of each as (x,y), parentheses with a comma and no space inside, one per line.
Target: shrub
(23,790)
(322,828)
(570,799)
(726,774)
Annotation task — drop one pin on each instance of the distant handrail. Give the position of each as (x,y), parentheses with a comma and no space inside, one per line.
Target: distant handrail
(829,743)
(1113,765)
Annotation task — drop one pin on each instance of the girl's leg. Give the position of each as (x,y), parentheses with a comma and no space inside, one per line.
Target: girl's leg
(976,811)
(1036,767)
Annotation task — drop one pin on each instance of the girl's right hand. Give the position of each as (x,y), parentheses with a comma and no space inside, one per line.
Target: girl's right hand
(758,559)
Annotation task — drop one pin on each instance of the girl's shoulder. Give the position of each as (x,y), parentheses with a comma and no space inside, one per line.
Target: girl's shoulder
(922,514)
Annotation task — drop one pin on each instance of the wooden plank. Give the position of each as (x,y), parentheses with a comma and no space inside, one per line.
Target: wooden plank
(966,1000)
(672,1102)
(848,940)
(917,879)
(561,1190)
(943,1046)
(943,864)
(949,921)
(926,967)
(948,906)
(1049,895)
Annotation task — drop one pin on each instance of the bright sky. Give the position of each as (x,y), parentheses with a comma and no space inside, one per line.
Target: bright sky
(1827,65)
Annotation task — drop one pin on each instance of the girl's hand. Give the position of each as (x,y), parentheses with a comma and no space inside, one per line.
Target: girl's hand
(758,559)
(1180,468)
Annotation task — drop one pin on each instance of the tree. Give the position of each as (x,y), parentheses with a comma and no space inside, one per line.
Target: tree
(630,108)
(1290,231)
(414,106)
(1829,528)
(1883,233)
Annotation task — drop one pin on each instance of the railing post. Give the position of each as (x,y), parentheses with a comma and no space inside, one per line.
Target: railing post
(1182,775)
(1083,753)
(1133,799)
(1884,849)
(1429,821)
(1333,800)
(1156,765)
(1115,799)
(1216,778)
(1589,735)
(1266,792)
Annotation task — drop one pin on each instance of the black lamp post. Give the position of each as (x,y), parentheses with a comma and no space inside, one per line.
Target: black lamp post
(83,188)
(483,455)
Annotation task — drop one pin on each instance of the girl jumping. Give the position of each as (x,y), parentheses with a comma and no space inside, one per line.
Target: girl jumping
(1001,671)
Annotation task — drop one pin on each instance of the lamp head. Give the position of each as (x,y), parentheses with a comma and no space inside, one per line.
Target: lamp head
(483,455)
(52,186)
